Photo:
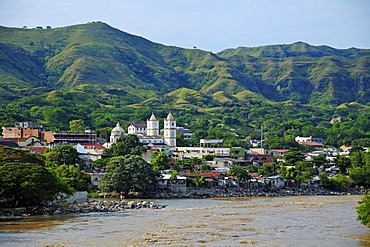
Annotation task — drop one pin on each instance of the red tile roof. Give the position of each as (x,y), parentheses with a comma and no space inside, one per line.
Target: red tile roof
(93,146)
(39,150)
(311,144)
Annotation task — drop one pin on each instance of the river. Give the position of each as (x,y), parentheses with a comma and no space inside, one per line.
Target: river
(268,221)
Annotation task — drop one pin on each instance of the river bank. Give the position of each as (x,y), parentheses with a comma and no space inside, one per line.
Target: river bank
(195,193)
(77,208)
(112,205)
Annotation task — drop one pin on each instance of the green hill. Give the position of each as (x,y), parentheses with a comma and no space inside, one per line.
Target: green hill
(101,74)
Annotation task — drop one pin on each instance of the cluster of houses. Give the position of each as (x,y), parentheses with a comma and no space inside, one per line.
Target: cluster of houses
(34,138)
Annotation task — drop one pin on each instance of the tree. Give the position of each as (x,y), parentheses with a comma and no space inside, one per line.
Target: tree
(60,155)
(159,161)
(72,176)
(29,184)
(343,163)
(293,156)
(77,125)
(363,211)
(360,167)
(128,144)
(241,174)
(8,155)
(128,173)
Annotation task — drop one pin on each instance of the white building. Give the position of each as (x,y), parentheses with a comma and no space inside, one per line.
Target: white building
(309,139)
(170,131)
(152,126)
(116,133)
(135,129)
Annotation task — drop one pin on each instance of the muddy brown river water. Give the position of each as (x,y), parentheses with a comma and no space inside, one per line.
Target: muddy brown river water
(279,221)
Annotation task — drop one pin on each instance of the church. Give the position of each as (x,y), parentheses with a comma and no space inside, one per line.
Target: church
(149,133)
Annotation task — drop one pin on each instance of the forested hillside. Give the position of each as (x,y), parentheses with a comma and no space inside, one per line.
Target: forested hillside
(101,75)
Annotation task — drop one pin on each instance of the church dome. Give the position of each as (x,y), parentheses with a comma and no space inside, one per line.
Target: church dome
(117,131)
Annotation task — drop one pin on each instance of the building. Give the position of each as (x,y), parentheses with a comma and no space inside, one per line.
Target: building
(116,133)
(136,129)
(170,131)
(185,132)
(152,126)
(210,142)
(72,138)
(149,133)
(21,130)
(309,141)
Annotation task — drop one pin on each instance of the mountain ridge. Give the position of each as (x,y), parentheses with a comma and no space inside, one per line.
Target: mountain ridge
(110,68)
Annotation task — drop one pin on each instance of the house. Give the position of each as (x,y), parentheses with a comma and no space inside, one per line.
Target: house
(165,181)
(238,153)
(213,179)
(90,151)
(185,152)
(96,177)
(310,141)
(210,142)
(219,162)
(276,182)
(37,150)
(185,132)
(135,129)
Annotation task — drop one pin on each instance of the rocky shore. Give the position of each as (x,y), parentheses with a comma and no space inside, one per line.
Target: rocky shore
(240,192)
(77,208)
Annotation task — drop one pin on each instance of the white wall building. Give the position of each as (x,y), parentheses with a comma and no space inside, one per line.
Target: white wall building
(170,131)
(309,139)
(116,133)
(135,129)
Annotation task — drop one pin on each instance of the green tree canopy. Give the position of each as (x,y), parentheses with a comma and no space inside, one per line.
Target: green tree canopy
(8,155)
(128,173)
(60,155)
(29,184)
(128,144)
(72,176)
(363,211)
(241,174)
(159,161)
(77,125)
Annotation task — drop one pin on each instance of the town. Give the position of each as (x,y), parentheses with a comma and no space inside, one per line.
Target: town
(206,170)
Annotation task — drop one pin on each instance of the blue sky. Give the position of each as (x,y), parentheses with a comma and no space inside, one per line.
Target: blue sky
(211,25)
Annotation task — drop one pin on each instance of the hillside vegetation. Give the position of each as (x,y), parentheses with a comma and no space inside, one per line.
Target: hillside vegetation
(100,74)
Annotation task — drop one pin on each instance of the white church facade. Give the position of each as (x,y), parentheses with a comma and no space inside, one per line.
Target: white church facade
(149,133)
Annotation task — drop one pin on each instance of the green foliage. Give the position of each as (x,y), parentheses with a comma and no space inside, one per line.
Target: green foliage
(61,155)
(29,184)
(88,72)
(267,170)
(128,144)
(198,181)
(241,174)
(159,161)
(77,125)
(340,180)
(128,173)
(360,167)
(188,164)
(293,156)
(72,176)
(8,155)
(363,211)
